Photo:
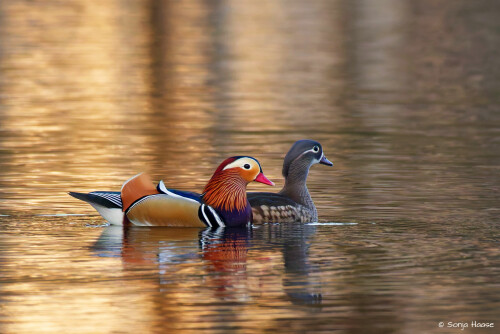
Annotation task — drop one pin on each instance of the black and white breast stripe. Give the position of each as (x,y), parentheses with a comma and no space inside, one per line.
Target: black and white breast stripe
(209,216)
(113,197)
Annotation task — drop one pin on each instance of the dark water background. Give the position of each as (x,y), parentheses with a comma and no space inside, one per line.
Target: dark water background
(403,95)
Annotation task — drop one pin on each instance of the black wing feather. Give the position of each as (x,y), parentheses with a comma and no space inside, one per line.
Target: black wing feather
(108,199)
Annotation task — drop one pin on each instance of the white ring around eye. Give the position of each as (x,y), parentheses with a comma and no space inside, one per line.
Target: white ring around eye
(316,149)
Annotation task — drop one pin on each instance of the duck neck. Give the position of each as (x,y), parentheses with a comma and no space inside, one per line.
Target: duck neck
(226,193)
(295,185)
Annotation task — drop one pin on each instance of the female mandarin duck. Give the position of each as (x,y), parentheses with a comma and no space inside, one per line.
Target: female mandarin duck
(223,202)
(293,203)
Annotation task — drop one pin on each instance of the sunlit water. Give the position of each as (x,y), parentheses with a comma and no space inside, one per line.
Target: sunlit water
(403,95)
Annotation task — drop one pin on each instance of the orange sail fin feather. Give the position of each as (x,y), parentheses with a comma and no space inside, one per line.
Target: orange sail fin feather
(135,188)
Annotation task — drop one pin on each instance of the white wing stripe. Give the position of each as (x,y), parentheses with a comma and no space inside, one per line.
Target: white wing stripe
(164,189)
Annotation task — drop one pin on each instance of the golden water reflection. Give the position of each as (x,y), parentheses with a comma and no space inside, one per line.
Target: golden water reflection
(403,96)
(269,278)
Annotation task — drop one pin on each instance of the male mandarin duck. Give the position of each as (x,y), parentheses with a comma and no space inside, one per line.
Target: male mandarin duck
(223,202)
(293,203)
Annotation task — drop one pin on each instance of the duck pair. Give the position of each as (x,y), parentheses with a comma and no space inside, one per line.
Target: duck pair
(224,201)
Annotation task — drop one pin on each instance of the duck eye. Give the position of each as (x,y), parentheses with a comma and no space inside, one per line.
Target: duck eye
(316,149)
(246,166)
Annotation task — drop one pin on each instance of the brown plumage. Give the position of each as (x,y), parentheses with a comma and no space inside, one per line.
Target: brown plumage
(293,203)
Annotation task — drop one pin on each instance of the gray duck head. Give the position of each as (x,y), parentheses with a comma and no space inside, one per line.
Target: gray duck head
(303,154)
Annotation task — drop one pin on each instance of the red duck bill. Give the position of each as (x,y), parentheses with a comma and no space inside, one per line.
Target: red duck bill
(263,179)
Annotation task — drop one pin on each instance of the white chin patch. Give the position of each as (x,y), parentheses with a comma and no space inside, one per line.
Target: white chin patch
(316,161)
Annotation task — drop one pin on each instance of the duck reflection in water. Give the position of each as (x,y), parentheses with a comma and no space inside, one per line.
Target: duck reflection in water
(235,262)
(292,240)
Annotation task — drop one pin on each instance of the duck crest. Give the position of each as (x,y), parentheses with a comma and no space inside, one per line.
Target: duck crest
(226,191)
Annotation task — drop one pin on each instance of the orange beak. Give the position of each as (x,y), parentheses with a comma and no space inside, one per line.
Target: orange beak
(263,179)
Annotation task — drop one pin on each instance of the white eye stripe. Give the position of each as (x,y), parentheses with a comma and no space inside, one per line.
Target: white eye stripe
(311,150)
(241,162)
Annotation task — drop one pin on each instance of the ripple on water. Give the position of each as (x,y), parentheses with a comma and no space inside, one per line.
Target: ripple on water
(331,224)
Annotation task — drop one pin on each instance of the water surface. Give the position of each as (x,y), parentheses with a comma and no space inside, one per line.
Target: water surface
(403,96)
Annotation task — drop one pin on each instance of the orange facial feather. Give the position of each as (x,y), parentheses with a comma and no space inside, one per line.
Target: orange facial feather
(226,190)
